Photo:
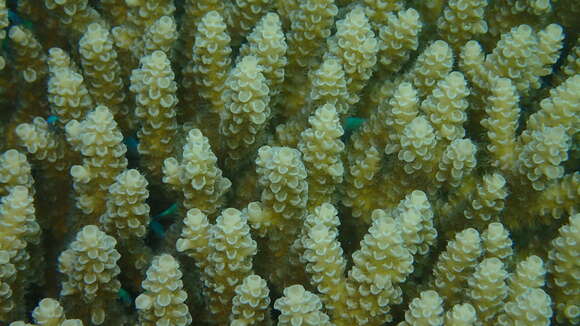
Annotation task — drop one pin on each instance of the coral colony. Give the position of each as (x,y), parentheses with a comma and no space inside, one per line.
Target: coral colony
(289,162)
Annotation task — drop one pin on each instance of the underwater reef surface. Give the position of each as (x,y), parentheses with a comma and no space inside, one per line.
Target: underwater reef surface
(289,162)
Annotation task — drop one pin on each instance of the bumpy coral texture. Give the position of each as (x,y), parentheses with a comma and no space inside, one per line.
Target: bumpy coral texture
(289,162)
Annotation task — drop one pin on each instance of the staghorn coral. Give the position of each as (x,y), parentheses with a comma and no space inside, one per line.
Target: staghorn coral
(162,303)
(301,162)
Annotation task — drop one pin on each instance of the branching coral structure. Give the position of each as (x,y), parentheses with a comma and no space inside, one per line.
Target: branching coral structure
(289,162)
